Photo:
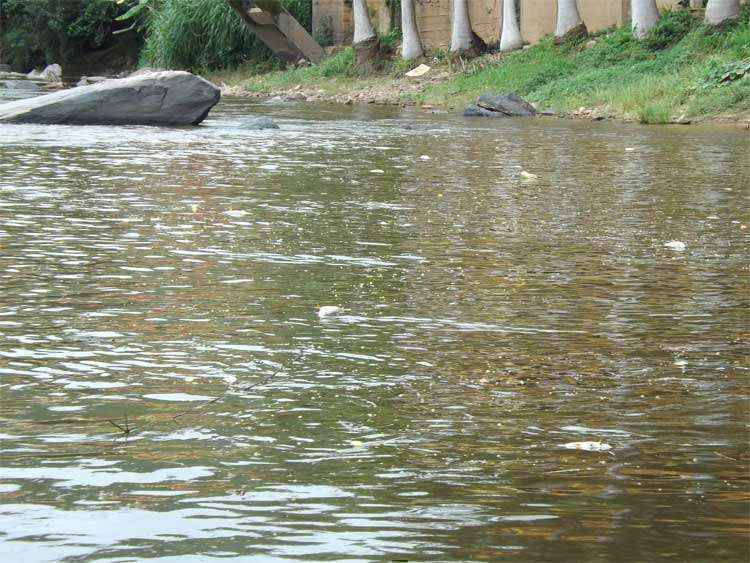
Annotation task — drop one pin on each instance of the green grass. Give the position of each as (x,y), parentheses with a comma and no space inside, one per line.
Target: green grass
(682,68)
(674,71)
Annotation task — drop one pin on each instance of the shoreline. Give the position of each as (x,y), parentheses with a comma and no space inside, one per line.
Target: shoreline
(360,94)
(694,74)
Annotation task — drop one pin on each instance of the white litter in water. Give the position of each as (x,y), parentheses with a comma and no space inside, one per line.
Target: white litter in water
(377,171)
(328,310)
(528,175)
(676,245)
(588,446)
(236,213)
(629,149)
(425,157)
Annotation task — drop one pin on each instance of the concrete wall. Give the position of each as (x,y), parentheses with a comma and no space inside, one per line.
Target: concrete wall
(434,18)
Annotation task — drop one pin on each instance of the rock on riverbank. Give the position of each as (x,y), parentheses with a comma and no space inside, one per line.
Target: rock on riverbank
(156,98)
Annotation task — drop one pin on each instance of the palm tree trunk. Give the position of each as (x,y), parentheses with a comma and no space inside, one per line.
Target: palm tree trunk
(510,38)
(411,45)
(365,42)
(464,41)
(363,29)
(720,11)
(569,22)
(644,15)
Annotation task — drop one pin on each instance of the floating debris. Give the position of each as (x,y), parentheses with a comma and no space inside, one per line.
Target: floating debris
(329,310)
(588,446)
(236,213)
(528,176)
(676,245)
(425,157)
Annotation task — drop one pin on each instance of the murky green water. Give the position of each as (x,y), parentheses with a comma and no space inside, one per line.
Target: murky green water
(489,320)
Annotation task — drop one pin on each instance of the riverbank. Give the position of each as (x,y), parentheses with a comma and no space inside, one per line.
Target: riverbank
(683,72)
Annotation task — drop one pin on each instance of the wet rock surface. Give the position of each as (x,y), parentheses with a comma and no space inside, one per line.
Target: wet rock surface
(503,105)
(260,123)
(157,98)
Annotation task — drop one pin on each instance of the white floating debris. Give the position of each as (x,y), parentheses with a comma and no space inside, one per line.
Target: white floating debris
(236,213)
(588,446)
(377,171)
(194,207)
(629,149)
(528,175)
(356,443)
(329,310)
(676,245)
(425,157)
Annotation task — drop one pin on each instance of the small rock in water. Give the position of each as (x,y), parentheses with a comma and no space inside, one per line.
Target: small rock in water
(676,245)
(329,310)
(588,446)
(261,123)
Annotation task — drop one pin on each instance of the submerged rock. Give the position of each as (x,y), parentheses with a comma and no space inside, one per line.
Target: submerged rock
(503,105)
(261,123)
(157,98)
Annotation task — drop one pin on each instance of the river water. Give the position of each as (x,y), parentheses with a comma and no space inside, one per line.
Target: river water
(168,390)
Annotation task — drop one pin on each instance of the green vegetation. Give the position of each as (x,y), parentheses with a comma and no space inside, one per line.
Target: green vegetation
(38,32)
(198,35)
(203,35)
(683,67)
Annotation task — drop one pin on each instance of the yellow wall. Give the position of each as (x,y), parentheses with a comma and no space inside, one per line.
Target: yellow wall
(434,18)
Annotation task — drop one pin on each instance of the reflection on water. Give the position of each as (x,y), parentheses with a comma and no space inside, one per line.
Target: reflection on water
(168,389)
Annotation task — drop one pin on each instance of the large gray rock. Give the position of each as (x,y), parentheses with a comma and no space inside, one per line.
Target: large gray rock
(157,98)
(503,105)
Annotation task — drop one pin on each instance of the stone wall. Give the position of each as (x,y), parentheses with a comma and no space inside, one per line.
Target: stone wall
(434,18)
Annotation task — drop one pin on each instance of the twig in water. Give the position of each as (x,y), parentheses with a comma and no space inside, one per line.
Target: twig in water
(127,429)
(246,388)
(725,456)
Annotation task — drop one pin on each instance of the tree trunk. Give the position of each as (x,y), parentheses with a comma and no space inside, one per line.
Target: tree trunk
(721,11)
(510,38)
(644,15)
(569,22)
(464,42)
(366,44)
(411,45)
